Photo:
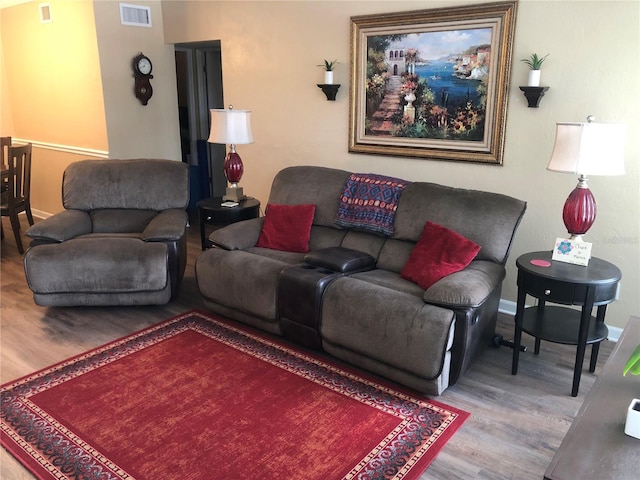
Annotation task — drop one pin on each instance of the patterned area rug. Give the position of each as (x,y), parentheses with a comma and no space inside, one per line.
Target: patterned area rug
(196,397)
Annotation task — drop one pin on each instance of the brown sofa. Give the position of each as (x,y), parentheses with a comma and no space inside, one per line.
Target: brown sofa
(348,289)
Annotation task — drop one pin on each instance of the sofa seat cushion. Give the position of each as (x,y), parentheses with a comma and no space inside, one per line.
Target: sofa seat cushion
(89,264)
(394,281)
(240,280)
(391,327)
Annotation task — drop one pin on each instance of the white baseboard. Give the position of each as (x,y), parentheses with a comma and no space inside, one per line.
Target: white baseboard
(40,214)
(508,307)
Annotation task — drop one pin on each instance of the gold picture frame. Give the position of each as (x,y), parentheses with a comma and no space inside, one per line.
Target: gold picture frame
(432,84)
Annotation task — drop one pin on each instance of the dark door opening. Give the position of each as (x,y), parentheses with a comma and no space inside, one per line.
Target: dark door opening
(199,81)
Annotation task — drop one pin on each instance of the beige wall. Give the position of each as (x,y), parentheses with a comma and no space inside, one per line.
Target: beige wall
(52,91)
(269,53)
(6,117)
(67,86)
(136,130)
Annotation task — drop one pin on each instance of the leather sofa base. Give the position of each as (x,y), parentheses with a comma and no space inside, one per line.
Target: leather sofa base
(300,291)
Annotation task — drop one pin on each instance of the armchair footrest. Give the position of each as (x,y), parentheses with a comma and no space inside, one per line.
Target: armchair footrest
(93,265)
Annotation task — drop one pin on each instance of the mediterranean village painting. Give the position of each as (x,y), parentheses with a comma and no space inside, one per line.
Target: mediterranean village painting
(429,85)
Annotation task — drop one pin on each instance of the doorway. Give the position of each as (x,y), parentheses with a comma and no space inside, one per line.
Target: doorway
(199,81)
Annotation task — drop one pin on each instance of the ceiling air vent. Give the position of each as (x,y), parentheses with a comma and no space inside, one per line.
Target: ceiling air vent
(135,15)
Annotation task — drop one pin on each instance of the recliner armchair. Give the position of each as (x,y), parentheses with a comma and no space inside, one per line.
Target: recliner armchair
(121,239)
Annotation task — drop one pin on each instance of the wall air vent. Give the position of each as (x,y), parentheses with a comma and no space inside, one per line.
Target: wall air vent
(135,15)
(45,13)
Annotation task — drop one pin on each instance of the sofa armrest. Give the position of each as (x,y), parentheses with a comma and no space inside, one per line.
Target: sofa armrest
(168,225)
(61,226)
(468,287)
(238,236)
(339,259)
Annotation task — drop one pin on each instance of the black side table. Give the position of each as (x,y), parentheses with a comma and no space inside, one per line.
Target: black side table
(211,212)
(564,283)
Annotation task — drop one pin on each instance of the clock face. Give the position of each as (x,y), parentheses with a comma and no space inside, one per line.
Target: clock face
(144,66)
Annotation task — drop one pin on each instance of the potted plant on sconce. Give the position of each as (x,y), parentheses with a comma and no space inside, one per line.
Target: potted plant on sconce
(632,425)
(328,70)
(534,62)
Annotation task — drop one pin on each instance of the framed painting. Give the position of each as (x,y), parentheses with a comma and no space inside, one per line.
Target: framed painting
(432,83)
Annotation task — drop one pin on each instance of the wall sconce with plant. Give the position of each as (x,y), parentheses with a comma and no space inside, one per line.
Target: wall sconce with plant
(534,62)
(328,67)
(533,91)
(329,88)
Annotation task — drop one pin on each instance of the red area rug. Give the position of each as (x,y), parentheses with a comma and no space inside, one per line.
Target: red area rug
(197,398)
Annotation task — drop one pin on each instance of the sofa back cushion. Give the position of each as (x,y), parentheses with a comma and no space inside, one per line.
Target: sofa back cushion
(142,184)
(488,219)
(307,184)
(120,221)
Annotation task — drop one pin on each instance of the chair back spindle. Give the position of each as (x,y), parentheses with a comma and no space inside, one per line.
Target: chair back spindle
(17,188)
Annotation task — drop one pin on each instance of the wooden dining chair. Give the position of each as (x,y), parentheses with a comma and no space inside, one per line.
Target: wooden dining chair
(5,143)
(16,196)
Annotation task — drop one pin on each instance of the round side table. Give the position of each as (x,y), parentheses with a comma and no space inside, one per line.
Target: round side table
(567,284)
(211,212)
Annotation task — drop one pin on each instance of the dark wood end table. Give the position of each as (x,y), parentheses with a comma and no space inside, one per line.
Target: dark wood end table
(567,284)
(211,212)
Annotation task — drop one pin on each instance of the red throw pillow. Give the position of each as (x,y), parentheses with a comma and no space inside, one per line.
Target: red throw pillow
(287,227)
(438,253)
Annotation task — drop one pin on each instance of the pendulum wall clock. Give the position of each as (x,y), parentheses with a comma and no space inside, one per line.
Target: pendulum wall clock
(142,73)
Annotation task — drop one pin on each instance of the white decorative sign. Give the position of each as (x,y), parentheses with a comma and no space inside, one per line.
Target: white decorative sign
(570,251)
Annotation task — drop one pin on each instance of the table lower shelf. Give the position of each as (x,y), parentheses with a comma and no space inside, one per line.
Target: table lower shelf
(560,325)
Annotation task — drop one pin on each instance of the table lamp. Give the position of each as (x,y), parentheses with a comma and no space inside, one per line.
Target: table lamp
(586,149)
(231,127)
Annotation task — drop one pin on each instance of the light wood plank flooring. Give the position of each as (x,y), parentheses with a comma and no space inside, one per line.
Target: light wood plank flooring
(516,424)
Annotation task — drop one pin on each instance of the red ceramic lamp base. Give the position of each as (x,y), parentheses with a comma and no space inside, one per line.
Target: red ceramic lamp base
(233,168)
(579,211)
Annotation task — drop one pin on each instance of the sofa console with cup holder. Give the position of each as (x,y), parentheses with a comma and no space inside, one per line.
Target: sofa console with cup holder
(401,279)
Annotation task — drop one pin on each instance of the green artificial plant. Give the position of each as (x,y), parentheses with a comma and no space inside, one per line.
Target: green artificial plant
(534,61)
(633,365)
(328,66)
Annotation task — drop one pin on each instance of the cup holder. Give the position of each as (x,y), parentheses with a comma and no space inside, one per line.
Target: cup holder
(324,271)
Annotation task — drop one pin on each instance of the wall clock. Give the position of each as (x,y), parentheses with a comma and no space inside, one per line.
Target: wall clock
(142,67)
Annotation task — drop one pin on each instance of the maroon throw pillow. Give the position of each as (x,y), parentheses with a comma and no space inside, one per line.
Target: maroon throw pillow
(287,227)
(438,253)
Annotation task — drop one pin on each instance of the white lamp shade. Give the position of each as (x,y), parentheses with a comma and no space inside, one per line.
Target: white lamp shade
(588,149)
(230,127)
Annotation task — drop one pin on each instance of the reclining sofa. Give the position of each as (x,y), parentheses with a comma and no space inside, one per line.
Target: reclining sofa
(121,239)
(347,297)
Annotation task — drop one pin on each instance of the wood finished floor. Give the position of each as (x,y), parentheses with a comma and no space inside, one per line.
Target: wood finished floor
(516,424)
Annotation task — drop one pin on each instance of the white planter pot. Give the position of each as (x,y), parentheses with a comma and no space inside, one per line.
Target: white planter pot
(534,78)
(328,78)
(632,425)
